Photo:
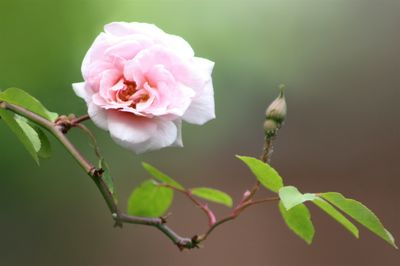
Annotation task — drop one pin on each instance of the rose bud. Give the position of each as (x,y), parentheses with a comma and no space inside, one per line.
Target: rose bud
(277,109)
(140,83)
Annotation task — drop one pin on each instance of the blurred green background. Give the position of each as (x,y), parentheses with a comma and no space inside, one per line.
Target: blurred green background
(340,61)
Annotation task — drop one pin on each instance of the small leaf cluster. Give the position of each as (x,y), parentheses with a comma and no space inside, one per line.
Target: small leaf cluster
(298,217)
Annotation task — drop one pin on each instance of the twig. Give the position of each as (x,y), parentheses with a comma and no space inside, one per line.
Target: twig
(80,119)
(204,207)
(236,212)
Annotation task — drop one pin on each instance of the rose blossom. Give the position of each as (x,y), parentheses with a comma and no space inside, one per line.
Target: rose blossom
(140,83)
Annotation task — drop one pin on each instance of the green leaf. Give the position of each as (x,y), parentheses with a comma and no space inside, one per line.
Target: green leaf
(267,175)
(29,132)
(45,147)
(23,99)
(298,219)
(291,196)
(335,214)
(150,200)
(26,134)
(213,195)
(160,176)
(361,214)
(106,176)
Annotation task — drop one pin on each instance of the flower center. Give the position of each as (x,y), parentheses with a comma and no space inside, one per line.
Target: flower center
(128,91)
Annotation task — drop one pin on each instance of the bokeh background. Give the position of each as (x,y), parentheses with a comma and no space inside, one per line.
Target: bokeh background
(340,61)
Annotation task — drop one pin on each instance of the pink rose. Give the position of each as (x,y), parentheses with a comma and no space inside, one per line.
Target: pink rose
(141,82)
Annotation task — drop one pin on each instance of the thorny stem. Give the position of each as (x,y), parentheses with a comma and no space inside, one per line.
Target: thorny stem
(58,130)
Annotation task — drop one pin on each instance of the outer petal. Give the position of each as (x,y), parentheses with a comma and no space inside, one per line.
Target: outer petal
(98,115)
(95,52)
(202,108)
(128,28)
(82,91)
(178,142)
(141,134)
(121,29)
(179,44)
(206,65)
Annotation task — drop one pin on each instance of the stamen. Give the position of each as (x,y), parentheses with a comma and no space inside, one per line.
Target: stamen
(128,91)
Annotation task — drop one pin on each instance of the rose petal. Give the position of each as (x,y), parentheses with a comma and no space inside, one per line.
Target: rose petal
(82,91)
(202,108)
(178,142)
(98,115)
(125,28)
(141,134)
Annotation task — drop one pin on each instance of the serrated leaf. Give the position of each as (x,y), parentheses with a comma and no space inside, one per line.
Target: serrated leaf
(335,214)
(150,200)
(21,98)
(264,173)
(213,195)
(108,180)
(45,147)
(291,196)
(160,176)
(298,219)
(26,135)
(361,214)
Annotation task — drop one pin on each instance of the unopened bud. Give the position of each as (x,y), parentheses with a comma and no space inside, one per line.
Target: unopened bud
(277,109)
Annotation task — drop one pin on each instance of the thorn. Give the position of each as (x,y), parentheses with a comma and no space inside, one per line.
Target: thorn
(117,221)
(165,217)
(96,172)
